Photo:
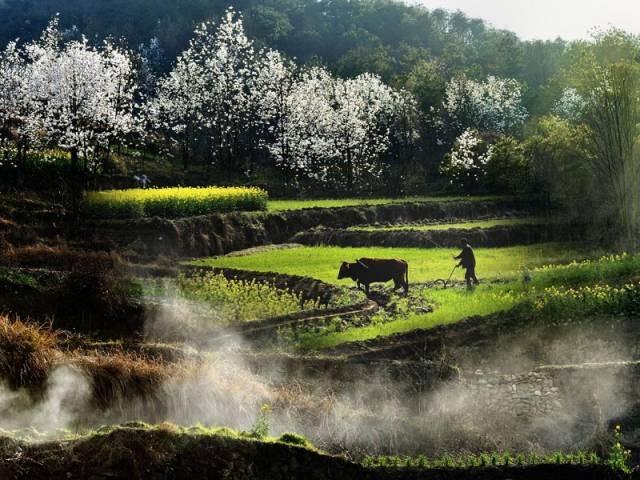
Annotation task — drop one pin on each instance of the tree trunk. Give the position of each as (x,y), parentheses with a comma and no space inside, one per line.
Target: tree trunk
(76,188)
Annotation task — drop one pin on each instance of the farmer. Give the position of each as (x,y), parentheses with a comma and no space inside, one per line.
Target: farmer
(142,180)
(468,262)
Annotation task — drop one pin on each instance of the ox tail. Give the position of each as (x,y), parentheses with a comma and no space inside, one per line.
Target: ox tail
(406,277)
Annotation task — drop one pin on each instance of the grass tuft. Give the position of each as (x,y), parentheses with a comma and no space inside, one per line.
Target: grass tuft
(27,352)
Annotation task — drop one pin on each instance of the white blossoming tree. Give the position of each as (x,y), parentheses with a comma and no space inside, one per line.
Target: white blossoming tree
(494,105)
(466,165)
(571,105)
(235,99)
(177,109)
(12,75)
(79,98)
(334,131)
(360,127)
(294,109)
(209,93)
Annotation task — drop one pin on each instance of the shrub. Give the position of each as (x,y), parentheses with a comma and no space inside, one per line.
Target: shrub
(619,456)
(172,202)
(589,300)
(295,439)
(465,165)
(263,422)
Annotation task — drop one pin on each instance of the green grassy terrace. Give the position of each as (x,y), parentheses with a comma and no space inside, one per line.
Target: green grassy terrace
(499,222)
(566,280)
(280,205)
(425,265)
(570,292)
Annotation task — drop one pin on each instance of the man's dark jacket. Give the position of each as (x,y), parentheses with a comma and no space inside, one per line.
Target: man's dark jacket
(467,257)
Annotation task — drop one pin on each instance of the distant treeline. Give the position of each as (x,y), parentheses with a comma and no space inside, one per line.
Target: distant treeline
(385,37)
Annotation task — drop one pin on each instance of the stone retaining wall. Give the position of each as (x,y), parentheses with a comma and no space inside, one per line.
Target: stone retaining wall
(609,388)
(524,395)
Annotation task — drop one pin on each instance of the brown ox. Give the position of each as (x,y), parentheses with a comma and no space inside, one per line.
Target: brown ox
(371,270)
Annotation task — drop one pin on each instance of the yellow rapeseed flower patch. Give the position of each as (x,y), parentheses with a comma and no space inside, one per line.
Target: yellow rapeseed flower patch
(173,202)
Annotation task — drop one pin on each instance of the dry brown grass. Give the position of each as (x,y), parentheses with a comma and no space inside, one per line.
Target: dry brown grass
(118,376)
(12,233)
(27,352)
(60,257)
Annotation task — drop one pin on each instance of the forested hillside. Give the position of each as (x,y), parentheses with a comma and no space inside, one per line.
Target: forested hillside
(363,97)
(387,37)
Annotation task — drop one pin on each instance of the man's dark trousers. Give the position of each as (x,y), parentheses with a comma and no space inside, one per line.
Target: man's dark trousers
(470,275)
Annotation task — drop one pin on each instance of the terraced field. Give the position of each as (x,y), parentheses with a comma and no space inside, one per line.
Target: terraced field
(425,264)
(499,222)
(267,341)
(282,205)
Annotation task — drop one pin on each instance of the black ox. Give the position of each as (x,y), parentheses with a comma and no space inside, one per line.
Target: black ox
(371,270)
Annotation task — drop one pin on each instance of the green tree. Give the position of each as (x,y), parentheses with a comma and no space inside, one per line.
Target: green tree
(613,139)
(609,78)
(427,82)
(507,170)
(558,157)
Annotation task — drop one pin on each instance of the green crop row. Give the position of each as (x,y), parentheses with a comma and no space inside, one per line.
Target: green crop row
(482,460)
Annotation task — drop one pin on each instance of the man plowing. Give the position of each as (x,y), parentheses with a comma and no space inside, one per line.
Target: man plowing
(468,262)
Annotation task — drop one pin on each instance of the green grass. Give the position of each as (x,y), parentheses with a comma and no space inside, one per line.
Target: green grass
(451,305)
(591,294)
(424,264)
(446,226)
(501,271)
(279,205)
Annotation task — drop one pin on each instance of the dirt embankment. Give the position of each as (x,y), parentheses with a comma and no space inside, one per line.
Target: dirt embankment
(499,236)
(112,304)
(75,301)
(222,233)
(139,453)
(510,341)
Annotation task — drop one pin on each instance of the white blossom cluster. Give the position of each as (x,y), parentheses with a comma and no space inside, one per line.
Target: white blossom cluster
(335,130)
(12,72)
(494,105)
(571,105)
(67,95)
(466,164)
